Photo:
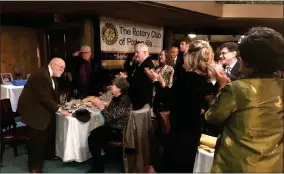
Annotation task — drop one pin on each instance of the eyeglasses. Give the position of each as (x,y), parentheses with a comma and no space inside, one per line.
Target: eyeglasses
(62,67)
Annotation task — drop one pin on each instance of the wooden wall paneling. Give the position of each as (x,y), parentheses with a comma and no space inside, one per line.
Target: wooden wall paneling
(33,53)
(18,47)
(89,34)
(24,53)
(42,41)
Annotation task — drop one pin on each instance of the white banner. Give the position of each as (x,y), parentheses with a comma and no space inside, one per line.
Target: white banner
(119,36)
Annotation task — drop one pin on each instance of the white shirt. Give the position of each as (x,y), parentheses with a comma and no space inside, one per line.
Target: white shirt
(50,72)
(175,60)
(228,69)
(53,84)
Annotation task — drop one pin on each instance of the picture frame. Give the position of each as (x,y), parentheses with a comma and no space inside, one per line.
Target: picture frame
(6,78)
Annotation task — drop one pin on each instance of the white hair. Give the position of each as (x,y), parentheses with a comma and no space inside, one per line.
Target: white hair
(56,60)
(86,47)
(143,47)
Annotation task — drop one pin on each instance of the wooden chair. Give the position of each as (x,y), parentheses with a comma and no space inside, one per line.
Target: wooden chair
(10,135)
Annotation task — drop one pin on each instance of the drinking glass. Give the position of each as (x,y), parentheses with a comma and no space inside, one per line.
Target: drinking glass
(63,99)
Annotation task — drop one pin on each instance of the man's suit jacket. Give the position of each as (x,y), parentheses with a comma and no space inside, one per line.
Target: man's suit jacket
(235,72)
(179,66)
(38,101)
(178,62)
(95,82)
(130,65)
(141,87)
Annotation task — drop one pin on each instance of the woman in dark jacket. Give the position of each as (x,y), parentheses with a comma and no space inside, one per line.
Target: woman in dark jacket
(116,115)
(189,91)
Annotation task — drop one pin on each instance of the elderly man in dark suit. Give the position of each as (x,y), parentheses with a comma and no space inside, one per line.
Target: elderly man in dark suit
(37,106)
(140,86)
(229,53)
(86,73)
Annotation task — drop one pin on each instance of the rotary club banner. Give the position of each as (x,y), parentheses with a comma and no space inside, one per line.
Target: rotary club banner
(119,36)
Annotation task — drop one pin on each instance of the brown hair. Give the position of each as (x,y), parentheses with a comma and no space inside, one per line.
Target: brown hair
(168,58)
(122,84)
(186,40)
(200,59)
(231,46)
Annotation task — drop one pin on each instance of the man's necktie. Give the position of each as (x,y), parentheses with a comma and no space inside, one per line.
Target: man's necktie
(228,70)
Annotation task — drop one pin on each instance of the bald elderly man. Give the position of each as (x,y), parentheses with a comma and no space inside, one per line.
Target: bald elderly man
(38,104)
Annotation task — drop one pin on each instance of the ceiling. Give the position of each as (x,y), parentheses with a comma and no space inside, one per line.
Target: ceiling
(177,20)
(250,2)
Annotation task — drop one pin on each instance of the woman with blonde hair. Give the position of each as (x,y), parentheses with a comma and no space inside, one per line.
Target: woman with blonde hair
(185,119)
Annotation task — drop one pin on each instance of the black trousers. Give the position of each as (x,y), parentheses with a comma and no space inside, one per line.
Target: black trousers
(180,152)
(41,145)
(97,140)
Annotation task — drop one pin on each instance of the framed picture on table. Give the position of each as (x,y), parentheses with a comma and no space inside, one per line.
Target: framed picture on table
(6,78)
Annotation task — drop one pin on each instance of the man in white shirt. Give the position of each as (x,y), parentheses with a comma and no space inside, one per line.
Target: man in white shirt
(229,53)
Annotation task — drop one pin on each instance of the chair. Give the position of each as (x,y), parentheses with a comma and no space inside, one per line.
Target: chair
(138,141)
(115,146)
(128,151)
(11,135)
(165,121)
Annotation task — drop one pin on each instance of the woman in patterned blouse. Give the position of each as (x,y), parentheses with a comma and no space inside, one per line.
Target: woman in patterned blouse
(116,115)
(163,81)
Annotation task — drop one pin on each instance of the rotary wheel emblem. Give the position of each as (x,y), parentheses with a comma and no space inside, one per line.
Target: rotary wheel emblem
(109,34)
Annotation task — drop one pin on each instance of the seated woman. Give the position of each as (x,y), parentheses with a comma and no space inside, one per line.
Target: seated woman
(251,109)
(116,115)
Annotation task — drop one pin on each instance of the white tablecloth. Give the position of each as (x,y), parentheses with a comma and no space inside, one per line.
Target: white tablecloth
(203,162)
(13,93)
(72,136)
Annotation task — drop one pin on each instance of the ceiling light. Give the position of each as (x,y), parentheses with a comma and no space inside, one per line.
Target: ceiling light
(191,36)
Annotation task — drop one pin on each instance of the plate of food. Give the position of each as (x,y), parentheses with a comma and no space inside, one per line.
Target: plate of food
(88,104)
(206,148)
(88,99)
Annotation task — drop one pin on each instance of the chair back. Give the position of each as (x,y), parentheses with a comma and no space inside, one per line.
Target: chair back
(7,118)
(137,141)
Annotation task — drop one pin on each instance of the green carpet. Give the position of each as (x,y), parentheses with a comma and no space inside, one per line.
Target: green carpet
(12,164)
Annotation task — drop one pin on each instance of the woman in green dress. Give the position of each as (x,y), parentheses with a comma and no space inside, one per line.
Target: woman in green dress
(250,110)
